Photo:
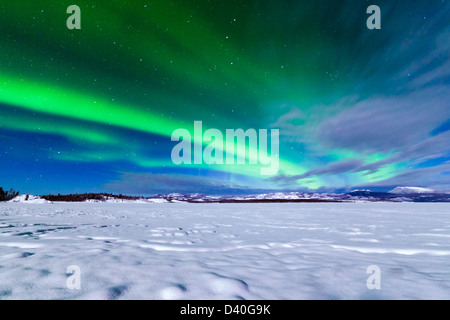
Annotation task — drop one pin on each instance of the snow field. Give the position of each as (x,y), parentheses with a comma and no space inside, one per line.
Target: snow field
(225,251)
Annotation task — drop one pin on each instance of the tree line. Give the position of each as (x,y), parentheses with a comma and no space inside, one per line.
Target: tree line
(11,194)
(86,196)
(8,195)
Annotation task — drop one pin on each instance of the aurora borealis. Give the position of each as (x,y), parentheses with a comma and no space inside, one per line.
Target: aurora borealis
(93,110)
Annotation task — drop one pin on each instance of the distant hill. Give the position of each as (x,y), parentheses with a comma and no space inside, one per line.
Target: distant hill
(411,190)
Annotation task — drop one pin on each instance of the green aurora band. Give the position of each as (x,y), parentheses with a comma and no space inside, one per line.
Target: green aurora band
(144,69)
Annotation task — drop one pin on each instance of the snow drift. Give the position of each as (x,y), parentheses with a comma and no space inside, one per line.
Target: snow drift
(28,198)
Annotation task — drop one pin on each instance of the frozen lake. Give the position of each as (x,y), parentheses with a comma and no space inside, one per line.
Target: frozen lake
(225,251)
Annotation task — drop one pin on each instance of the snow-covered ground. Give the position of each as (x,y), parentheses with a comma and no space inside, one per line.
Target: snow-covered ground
(225,251)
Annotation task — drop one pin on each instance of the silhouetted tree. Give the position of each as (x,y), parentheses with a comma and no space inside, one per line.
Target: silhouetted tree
(8,195)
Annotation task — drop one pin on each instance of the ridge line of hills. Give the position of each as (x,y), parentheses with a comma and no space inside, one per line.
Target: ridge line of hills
(400,194)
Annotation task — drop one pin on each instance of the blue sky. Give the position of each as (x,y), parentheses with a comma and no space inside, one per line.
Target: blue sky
(93,110)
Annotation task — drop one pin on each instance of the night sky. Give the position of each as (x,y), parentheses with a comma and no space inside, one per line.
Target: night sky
(93,110)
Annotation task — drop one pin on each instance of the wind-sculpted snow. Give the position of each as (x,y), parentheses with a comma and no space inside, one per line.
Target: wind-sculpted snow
(225,251)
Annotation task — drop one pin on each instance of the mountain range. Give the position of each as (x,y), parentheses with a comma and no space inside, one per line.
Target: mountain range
(399,194)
